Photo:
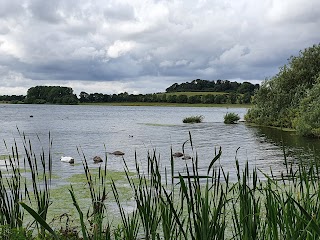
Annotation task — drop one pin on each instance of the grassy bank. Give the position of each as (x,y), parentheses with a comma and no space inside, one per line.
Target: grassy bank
(160,104)
(193,93)
(169,205)
(279,128)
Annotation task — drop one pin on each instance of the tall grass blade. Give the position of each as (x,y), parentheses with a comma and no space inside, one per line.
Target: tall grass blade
(40,220)
(83,226)
(214,160)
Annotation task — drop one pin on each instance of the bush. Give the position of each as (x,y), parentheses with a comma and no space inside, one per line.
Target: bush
(193,119)
(231,118)
(307,122)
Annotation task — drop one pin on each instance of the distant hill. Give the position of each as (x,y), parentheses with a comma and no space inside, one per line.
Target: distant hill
(200,85)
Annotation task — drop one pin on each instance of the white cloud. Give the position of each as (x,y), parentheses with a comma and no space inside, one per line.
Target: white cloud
(119,48)
(294,11)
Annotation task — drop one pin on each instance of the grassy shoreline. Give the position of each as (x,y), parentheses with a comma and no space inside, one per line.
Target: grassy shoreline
(152,104)
(279,128)
(160,104)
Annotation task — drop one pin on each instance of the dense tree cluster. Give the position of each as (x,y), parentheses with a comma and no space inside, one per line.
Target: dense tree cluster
(292,97)
(199,85)
(51,94)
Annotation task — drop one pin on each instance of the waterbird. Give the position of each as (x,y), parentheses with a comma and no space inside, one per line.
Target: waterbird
(67,159)
(97,159)
(117,153)
(177,154)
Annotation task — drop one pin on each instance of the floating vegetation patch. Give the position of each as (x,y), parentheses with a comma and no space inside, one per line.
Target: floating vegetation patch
(4,157)
(159,124)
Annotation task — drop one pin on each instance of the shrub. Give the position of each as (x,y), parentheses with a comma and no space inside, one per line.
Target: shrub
(307,121)
(231,118)
(193,119)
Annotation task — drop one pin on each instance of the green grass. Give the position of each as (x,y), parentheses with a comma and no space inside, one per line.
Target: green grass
(193,93)
(195,204)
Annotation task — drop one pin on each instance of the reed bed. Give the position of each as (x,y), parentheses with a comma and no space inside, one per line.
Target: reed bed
(189,205)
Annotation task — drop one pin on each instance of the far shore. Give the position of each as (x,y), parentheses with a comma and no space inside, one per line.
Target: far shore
(163,104)
(153,104)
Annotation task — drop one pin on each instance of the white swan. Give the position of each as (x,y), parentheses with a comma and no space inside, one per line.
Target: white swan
(67,159)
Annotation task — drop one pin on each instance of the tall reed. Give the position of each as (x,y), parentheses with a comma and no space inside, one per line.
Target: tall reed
(194,204)
(11,184)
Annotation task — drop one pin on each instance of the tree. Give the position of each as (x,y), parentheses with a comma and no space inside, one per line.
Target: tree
(172,98)
(307,121)
(199,85)
(194,99)
(51,94)
(84,97)
(208,98)
(182,98)
(279,100)
(232,98)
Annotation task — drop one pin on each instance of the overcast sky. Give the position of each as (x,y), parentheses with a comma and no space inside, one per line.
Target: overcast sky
(144,46)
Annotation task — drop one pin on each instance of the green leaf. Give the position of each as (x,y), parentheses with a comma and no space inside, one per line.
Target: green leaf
(214,160)
(39,219)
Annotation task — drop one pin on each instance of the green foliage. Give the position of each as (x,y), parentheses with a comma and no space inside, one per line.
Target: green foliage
(51,94)
(7,233)
(231,118)
(12,98)
(307,122)
(200,85)
(193,119)
(279,99)
(198,204)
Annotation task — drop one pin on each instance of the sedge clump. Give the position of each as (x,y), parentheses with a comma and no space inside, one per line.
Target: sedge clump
(231,118)
(193,119)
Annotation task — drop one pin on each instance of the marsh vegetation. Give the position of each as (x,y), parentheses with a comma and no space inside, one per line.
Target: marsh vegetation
(193,119)
(231,118)
(193,204)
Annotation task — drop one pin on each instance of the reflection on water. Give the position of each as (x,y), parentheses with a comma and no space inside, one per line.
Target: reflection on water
(295,147)
(95,130)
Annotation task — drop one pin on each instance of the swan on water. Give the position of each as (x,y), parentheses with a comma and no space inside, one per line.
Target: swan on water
(67,159)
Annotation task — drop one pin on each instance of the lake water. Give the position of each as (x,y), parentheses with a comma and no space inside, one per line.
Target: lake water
(100,129)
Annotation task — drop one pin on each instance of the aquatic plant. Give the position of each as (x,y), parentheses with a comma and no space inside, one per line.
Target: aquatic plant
(193,119)
(195,204)
(231,118)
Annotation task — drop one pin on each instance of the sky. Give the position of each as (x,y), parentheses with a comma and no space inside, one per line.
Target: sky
(144,46)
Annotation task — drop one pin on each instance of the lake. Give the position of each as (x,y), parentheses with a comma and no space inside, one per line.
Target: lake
(95,130)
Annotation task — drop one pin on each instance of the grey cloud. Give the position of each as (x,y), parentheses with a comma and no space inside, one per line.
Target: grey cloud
(45,10)
(11,8)
(155,41)
(119,12)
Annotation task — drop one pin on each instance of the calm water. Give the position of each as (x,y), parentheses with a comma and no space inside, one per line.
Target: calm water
(99,129)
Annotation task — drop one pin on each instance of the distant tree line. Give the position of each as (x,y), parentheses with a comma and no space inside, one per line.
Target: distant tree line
(166,97)
(199,85)
(233,93)
(12,98)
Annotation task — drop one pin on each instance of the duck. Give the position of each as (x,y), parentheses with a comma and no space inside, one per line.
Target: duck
(117,153)
(67,159)
(186,157)
(177,154)
(97,159)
